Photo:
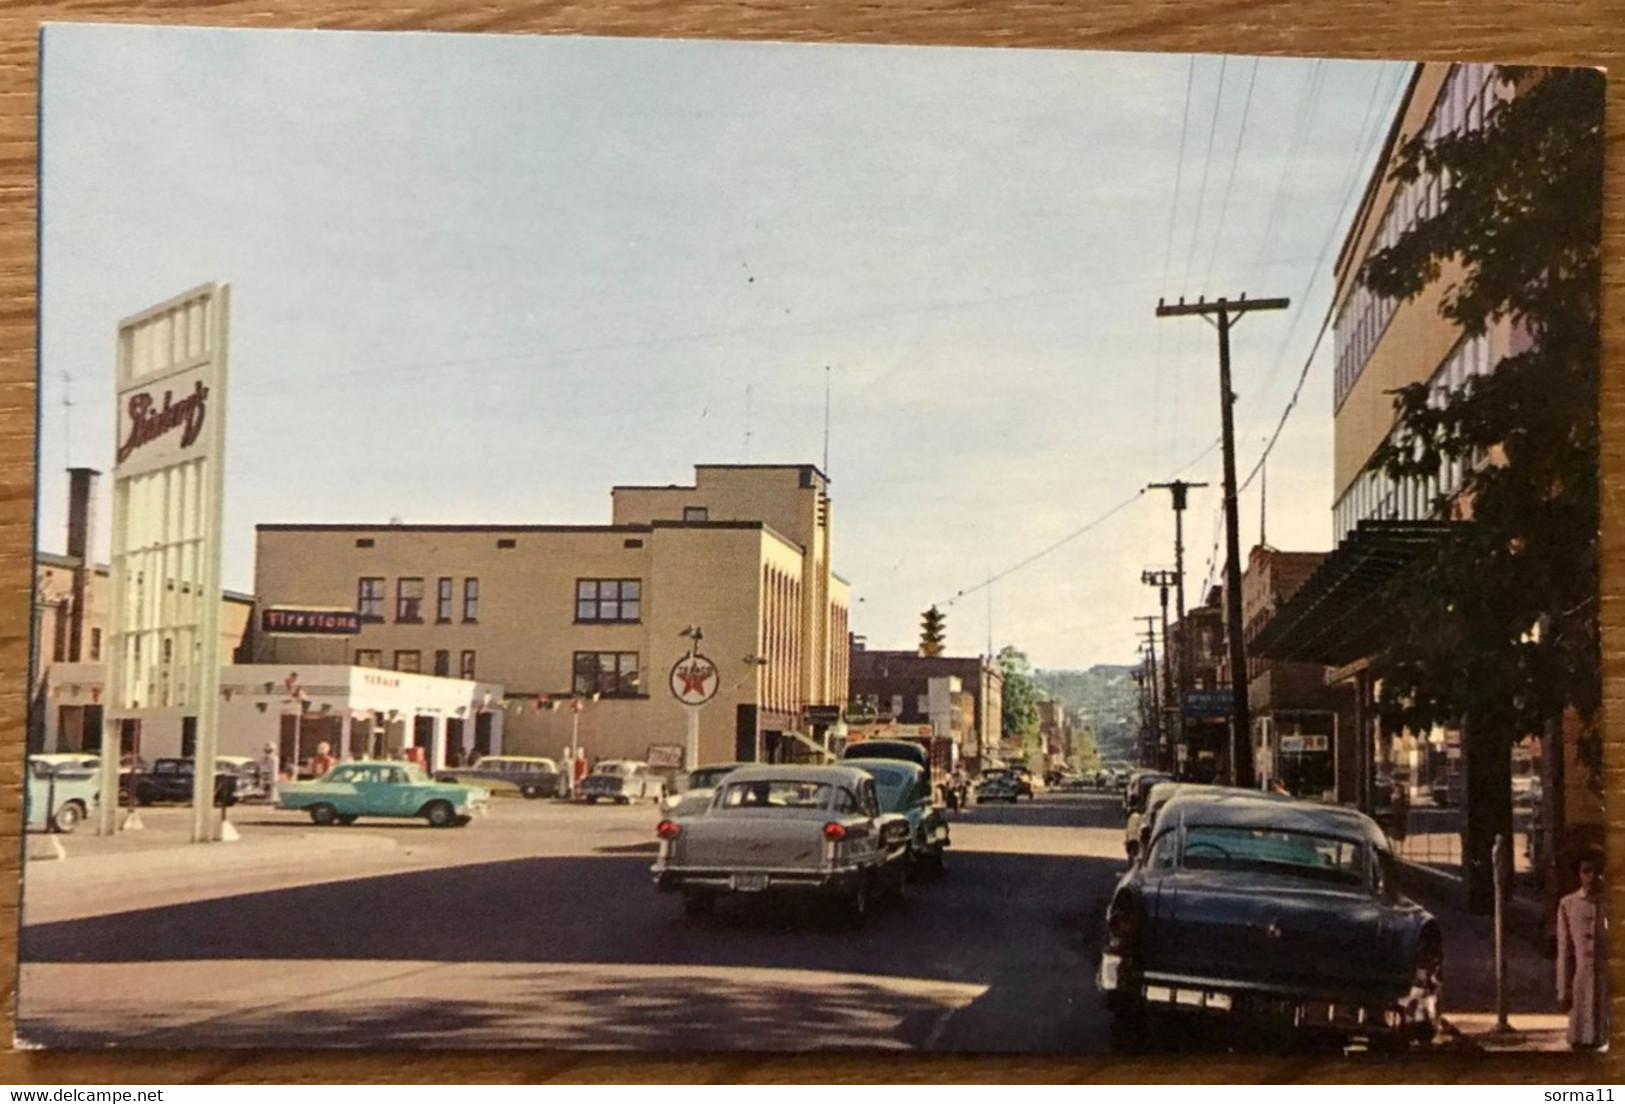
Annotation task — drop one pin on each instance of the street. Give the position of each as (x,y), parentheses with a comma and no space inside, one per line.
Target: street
(538,926)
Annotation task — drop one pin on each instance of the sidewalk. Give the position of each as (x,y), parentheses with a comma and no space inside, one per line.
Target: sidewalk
(1469,998)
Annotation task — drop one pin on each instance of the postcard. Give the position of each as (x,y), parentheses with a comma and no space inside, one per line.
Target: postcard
(695,545)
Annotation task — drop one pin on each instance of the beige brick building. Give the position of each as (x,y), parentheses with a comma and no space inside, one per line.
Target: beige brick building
(557,614)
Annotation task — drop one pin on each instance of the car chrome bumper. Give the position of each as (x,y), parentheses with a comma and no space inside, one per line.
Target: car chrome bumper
(834,881)
(1415,1012)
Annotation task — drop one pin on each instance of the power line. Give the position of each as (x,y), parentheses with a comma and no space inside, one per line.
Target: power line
(1207,161)
(1235,159)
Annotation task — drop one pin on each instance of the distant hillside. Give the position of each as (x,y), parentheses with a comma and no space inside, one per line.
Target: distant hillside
(1102,699)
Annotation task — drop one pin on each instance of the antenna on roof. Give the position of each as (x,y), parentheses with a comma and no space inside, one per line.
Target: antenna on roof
(826,422)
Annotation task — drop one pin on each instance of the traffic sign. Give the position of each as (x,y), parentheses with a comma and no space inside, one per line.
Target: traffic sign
(1207,703)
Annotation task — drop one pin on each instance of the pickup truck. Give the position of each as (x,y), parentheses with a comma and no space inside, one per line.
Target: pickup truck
(786,830)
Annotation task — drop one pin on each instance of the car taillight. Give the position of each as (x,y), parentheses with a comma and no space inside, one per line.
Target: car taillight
(668,829)
(1120,922)
(835,833)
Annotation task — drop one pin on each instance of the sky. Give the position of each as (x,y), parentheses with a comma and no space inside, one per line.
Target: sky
(484,279)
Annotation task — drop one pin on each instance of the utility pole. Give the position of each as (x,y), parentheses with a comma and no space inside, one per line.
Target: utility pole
(1162,580)
(1151,679)
(1241,738)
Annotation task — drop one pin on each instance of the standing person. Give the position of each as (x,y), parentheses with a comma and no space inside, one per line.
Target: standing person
(323,760)
(269,770)
(1401,806)
(1582,957)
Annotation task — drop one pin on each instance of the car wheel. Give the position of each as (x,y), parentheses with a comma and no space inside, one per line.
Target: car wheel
(68,817)
(347,818)
(324,815)
(440,815)
(1130,1027)
(592,799)
(856,906)
(532,792)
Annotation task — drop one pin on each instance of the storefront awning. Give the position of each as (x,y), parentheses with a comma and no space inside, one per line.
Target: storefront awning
(1341,614)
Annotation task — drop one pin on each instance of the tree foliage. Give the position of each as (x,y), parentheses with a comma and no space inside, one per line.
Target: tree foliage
(1517,240)
(1020,694)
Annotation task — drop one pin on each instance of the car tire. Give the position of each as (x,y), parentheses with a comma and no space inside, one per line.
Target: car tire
(624,799)
(592,799)
(531,792)
(1130,1027)
(855,909)
(67,818)
(439,814)
(699,904)
(324,815)
(348,818)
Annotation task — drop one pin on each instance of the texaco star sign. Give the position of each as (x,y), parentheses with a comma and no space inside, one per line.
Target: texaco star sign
(694,680)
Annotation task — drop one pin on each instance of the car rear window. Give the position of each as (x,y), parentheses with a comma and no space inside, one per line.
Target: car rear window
(1266,850)
(775,794)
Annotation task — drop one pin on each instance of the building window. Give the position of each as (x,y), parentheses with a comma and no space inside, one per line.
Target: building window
(466,670)
(505,542)
(364,542)
(696,513)
(609,600)
(409,600)
(471,599)
(369,599)
(442,662)
(410,662)
(369,657)
(612,674)
(442,603)
(95,645)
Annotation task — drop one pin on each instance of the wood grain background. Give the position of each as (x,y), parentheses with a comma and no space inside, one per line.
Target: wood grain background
(1588,32)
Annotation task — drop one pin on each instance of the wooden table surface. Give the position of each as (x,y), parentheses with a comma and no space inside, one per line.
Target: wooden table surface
(1589,32)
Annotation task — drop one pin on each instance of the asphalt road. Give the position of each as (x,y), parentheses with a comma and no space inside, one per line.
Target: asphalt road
(539,926)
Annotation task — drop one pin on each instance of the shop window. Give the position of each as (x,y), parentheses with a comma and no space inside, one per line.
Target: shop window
(409,600)
(471,599)
(442,600)
(442,662)
(466,669)
(369,657)
(95,645)
(369,599)
(609,600)
(610,674)
(409,662)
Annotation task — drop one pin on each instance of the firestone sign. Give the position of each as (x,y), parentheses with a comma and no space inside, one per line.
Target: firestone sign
(285,621)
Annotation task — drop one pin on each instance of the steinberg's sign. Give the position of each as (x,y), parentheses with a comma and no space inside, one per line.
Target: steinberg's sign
(161,430)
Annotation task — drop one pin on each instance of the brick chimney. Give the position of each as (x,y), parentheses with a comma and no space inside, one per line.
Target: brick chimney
(81,514)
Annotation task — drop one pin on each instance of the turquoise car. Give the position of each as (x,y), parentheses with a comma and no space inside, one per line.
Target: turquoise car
(905,788)
(384,788)
(62,791)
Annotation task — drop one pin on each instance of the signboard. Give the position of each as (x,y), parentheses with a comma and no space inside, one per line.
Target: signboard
(1299,744)
(288,621)
(694,680)
(163,638)
(665,756)
(1207,703)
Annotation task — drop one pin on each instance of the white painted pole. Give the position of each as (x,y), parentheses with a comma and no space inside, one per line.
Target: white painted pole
(691,747)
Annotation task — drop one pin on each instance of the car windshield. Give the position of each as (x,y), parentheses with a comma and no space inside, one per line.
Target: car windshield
(893,785)
(616,769)
(1273,851)
(706,778)
(775,794)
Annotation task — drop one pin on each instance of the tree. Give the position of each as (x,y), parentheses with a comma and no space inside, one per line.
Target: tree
(932,632)
(1020,695)
(1519,232)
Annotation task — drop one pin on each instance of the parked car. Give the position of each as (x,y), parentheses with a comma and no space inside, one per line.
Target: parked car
(906,789)
(171,780)
(1140,785)
(1254,907)
(623,780)
(815,831)
(532,776)
(696,788)
(62,789)
(383,788)
(906,750)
